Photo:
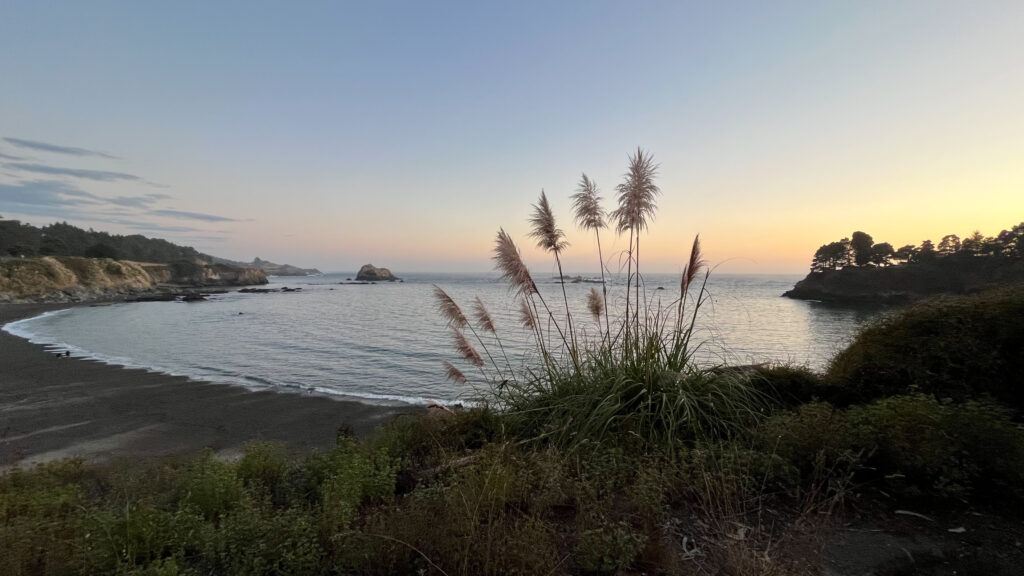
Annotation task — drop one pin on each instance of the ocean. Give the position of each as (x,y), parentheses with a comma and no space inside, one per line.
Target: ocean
(385,343)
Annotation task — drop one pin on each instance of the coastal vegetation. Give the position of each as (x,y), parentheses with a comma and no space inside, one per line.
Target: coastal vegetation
(610,451)
(19,239)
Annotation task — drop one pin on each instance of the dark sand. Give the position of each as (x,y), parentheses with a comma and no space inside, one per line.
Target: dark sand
(52,408)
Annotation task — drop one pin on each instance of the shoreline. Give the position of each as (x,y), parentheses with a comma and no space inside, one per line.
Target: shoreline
(53,408)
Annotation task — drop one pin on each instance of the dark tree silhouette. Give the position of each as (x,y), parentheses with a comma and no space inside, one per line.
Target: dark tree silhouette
(861,244)
(882,254)
(949,244)
(832,256)
(905,253)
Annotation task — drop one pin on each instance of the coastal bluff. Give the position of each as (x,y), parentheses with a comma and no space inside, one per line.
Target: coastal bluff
(370,273)
(72,278)
(907,283)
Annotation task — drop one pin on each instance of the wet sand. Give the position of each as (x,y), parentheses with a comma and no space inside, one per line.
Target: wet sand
(52,408)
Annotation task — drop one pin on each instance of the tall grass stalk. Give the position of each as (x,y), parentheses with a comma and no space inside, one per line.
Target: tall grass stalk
(591,216)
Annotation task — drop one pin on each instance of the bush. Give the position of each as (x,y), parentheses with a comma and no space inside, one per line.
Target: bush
(795,385)
(209,486)
(954,347)
(609,549)
(915,446)
(41,519)
(923,446)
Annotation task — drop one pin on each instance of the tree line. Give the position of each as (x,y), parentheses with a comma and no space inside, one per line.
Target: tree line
(861,250)
(19,239)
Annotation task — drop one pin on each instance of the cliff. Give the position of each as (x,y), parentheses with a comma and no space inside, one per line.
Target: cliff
(66,278)
(908,282)
(71,278)
(193,274)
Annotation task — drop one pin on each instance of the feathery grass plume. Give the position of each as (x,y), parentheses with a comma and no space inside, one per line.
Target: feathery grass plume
(449,309)
(548,235)
(454,374)
(590,216)
(510,262)
(586,205)
(469,354)
(483,317)
(551,238)
(595,303)
(638,194)
(526,316)
(692,267)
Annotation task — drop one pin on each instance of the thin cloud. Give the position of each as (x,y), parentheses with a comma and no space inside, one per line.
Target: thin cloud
(143,201)
(150,227)
(97,175)
(9,157)
(44,147)
(43,193)
(64,199)
(194,216)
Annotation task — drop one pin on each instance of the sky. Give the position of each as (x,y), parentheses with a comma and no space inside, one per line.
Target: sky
(332,134)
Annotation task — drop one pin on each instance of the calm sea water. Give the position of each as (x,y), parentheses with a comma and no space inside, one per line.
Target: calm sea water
(385,343)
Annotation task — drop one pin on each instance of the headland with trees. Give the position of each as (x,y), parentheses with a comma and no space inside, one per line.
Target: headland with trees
(859,270)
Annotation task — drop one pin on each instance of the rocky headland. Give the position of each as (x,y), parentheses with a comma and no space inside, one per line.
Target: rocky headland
(370,273)
(908,282)
(270,268)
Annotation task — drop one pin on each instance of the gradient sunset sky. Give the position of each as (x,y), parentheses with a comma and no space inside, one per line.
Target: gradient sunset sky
(332,134)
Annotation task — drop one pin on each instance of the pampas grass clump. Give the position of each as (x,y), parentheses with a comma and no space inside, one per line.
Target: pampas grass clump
(638,380)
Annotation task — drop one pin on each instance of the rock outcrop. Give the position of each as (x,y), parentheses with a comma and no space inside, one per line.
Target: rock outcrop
(370,273)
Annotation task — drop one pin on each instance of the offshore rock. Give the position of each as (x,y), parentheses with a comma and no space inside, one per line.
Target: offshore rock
(370,273)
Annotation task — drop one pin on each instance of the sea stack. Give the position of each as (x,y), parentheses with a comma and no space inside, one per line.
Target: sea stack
(370,273)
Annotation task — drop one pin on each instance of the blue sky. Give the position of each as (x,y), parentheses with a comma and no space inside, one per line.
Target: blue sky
(405,133)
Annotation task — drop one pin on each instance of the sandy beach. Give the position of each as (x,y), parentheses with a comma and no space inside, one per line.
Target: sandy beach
(52,408)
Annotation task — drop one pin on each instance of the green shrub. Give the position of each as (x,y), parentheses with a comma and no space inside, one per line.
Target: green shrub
(810,436)
(256,538)
(486,516)
(423,441)
(795,385)
(346,478)
(610,549)
(924,446)
(209,486)
(952,347)
(42,520)
(265,466)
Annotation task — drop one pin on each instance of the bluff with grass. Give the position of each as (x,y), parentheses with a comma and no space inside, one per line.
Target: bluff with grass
(70,278)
